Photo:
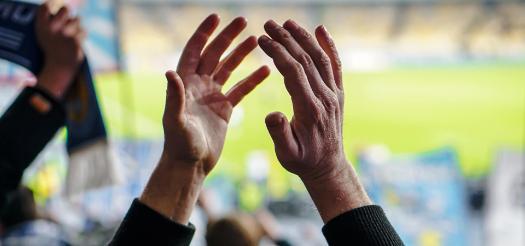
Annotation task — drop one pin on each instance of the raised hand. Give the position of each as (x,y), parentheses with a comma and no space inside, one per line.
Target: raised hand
(311,144)
(197,113)
(60,37)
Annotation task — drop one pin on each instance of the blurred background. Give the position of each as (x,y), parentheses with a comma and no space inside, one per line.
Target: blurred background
(434,116)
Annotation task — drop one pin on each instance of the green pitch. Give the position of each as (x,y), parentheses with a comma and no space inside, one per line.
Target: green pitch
(477,109)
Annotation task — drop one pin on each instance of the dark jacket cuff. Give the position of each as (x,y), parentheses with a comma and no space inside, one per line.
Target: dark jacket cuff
(144,226)
(366,225)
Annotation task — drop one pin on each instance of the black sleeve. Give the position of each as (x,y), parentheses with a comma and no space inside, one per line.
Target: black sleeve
(144,226)
(366,225)
(24,132)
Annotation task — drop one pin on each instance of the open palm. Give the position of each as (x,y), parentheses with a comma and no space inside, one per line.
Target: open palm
(197,113)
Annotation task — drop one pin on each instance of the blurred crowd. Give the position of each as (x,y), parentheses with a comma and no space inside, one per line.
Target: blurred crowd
(372,33)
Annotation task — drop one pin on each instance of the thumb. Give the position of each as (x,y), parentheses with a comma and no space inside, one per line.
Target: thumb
(286,146)
(175,96)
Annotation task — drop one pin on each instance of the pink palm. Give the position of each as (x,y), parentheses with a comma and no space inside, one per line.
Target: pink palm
(197,112)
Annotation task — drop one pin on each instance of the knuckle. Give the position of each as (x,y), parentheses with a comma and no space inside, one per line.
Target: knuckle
(318,118)
(337,63)
(316,113)
(275,46)
(324,61)
(304,59)
(305,34)
(294,66)
(331,44)
(284,34)
(331,103)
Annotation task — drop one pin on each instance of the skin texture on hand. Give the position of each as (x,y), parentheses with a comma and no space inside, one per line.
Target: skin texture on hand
(196,116)
(311,145)
(60,38)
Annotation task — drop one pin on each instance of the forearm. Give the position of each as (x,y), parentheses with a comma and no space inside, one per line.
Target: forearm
(160,216)
(345,209)
(337,192)
(173,189)
(25,128)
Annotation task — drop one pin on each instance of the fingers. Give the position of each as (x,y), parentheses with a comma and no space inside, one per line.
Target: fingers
(60,19)
(189,60)
(286,146)
(175,96)
(282,36)
(72,27)
(233,60)
(43,13)
(212,53)
(74,30)
(294,77)
(81,35)
(241,89)
(327,44)
(310,45)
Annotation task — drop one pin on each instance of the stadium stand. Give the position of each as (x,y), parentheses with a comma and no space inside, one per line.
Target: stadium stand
(155,32)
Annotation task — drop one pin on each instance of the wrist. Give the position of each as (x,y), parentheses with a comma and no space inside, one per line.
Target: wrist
(173,189)
(55,80)
(336,191)
(190,167)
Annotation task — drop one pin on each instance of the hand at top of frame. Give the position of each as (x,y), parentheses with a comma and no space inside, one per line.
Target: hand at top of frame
(311,144)
(60,37)
(196,116)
